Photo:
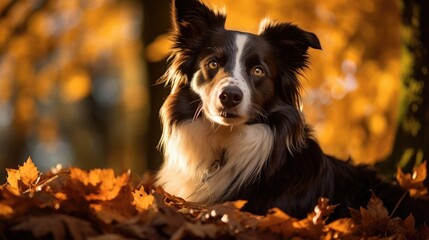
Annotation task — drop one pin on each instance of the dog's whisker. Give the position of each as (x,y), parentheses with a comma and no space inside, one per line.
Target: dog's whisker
(192,102)
(198,112)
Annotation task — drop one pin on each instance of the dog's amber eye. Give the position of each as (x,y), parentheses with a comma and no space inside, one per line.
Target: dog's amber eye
(213,65)
(258,71)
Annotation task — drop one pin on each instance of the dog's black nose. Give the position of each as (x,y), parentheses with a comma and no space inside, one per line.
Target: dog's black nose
(231,97)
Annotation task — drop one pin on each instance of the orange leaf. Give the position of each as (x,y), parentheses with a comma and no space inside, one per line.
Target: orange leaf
(274,218)
(13,177)
(99,184)
(5,210)
(28,172)
(142,200)
(343,225)
(413,182)
(22,178)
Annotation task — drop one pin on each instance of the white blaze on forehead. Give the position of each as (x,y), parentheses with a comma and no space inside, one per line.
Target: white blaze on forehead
(240,42)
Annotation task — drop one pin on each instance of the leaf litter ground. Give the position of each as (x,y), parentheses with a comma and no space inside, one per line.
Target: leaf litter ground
(97,204)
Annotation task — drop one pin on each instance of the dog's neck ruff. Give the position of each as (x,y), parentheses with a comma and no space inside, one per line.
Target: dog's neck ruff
(206,162)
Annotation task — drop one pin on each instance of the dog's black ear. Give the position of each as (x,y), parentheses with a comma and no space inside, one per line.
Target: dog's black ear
(290,44)
(289,35)
(191,18)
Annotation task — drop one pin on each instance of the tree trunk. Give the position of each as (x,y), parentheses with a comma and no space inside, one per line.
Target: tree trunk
(156,22)
(412,138)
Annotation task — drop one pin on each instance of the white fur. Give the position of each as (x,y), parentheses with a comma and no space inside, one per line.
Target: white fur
(192,146)
(240,43)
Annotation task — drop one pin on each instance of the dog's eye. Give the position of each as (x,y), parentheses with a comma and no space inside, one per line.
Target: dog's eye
(258,71)
(213,65)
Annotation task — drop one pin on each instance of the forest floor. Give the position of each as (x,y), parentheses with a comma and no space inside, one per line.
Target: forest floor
(97,204)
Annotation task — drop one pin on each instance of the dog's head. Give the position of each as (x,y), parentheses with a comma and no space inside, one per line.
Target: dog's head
(237,75)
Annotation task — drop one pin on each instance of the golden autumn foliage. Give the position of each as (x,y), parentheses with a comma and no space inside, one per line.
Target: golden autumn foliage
(97,204)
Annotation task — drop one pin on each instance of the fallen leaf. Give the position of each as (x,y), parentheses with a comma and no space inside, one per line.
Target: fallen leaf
(5,210)
(141,199)
(29,173)
(21,179)
(424,232)
(414,181)
(59,225)
(196,230)
(98,184)
(343,225)
(13,178)
(374,218)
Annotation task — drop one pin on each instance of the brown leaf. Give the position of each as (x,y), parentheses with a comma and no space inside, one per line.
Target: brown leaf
(374,218)
(410,225)
(59,225)
(414,182)
(424,232)
(228,215)
(196,230)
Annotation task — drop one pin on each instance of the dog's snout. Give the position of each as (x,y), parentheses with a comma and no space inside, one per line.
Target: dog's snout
(230,96)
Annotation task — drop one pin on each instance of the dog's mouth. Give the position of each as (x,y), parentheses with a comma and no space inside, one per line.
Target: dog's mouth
(227,117)
(226,114)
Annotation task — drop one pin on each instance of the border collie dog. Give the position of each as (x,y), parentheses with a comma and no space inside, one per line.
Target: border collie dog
(233,129)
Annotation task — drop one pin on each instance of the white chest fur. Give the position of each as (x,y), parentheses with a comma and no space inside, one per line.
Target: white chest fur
(191,148)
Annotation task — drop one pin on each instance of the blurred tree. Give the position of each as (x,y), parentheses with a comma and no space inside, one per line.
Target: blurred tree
(156,25)
(72,86)
(412,135)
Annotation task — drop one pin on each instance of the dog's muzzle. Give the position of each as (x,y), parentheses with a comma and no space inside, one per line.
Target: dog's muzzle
(230,96)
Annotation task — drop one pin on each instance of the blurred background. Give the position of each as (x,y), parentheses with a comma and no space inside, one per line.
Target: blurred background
(77,78)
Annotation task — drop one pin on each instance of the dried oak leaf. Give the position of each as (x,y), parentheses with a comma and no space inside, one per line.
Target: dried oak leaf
(59,226)
(142,200)
(23,178)
(414,182)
